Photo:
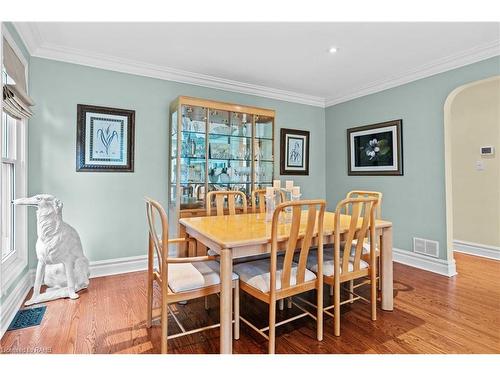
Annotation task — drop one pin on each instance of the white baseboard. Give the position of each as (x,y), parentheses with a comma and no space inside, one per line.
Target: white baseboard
(139,263)
(13,302)
(118,265)
(440,266)
(480,250)
(15,299)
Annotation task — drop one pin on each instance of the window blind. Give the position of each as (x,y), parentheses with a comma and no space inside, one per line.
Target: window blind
(16,101)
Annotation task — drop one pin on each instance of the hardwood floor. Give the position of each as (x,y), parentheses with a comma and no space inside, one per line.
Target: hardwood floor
(433,314)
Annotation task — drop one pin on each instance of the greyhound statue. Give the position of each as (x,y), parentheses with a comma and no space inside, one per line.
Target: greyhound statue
(62,266)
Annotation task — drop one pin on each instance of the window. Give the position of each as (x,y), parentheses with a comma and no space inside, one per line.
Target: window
(8,189)
(14,114)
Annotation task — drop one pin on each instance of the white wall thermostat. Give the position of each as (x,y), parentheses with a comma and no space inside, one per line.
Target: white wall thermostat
(487,150)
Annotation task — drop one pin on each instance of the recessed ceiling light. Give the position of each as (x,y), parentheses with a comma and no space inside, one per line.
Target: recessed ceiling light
(332,49)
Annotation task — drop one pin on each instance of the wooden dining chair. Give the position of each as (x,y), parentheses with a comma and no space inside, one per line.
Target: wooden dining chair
(280,277)
(230,196)
(346,263)
(366,245)
(366,193)
(258,200)
(179,279)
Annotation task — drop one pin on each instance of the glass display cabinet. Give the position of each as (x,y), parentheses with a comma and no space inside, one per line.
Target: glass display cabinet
(216,146)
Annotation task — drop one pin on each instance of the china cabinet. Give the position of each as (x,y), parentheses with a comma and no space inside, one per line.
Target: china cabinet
(216,146)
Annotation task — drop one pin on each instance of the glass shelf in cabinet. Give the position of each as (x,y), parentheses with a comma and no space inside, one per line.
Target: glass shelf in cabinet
(192,132)
(230,159)
(229,135)
(229,183)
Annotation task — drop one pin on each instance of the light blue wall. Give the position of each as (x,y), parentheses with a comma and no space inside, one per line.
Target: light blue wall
(107,208)
(415,202)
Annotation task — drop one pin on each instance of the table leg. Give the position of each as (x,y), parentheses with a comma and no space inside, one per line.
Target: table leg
(386,269)
(226,315)
(183,250)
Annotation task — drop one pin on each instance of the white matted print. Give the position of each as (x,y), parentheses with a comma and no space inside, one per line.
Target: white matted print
(295,156)
(106,141)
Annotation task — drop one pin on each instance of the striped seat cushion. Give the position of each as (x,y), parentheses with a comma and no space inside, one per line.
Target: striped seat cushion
(257,274)
(183,277)
(328,269)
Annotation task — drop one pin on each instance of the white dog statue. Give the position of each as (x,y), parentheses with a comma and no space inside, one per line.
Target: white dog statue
(62,266)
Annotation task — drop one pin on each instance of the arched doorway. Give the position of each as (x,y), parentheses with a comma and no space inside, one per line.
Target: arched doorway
(448,137)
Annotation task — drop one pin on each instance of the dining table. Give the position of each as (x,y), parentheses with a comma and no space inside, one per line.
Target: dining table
(245,235)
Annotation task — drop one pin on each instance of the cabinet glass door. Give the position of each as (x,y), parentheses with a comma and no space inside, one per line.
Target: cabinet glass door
(173,157)
(192,154)
(263,152)
(229,151)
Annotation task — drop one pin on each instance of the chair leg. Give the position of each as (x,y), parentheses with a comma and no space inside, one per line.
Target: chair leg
(373,294)
(272,327)
(164,326)
(331,290)
(281,304)
(206,303)
(379,270)
(149,317)
(351,290)
(319,312)
(236,301)
(289,302)
(336,309)
(149,320)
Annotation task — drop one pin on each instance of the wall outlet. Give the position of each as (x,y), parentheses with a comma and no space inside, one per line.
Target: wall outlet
(479,165)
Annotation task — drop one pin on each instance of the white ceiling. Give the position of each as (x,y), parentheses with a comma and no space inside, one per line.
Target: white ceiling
(283,60)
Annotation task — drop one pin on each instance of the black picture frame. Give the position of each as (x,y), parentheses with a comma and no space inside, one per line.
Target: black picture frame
(375,150)
(123,120)
(294,152)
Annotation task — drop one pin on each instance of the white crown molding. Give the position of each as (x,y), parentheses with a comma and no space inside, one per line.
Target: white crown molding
(33,40)
(482,52)
(30,35)
(477,249)
(37,48)
(439,266)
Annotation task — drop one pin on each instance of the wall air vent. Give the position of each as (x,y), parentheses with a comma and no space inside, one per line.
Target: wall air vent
(426,247)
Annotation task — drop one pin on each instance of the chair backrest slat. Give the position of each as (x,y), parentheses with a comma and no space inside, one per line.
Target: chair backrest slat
(297,231)
(159,242)
(221,196)
(291,246)
(260,196)
(366,193)
(361,226)
(306,243)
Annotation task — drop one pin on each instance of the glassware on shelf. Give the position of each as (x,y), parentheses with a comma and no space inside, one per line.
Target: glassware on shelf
(263,127)
(272,200)
(233,161)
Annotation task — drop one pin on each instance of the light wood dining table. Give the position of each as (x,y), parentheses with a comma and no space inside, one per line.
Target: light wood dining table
(238,236)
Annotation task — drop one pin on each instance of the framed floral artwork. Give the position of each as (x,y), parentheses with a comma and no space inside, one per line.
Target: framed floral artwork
(376,150)
(105,139)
